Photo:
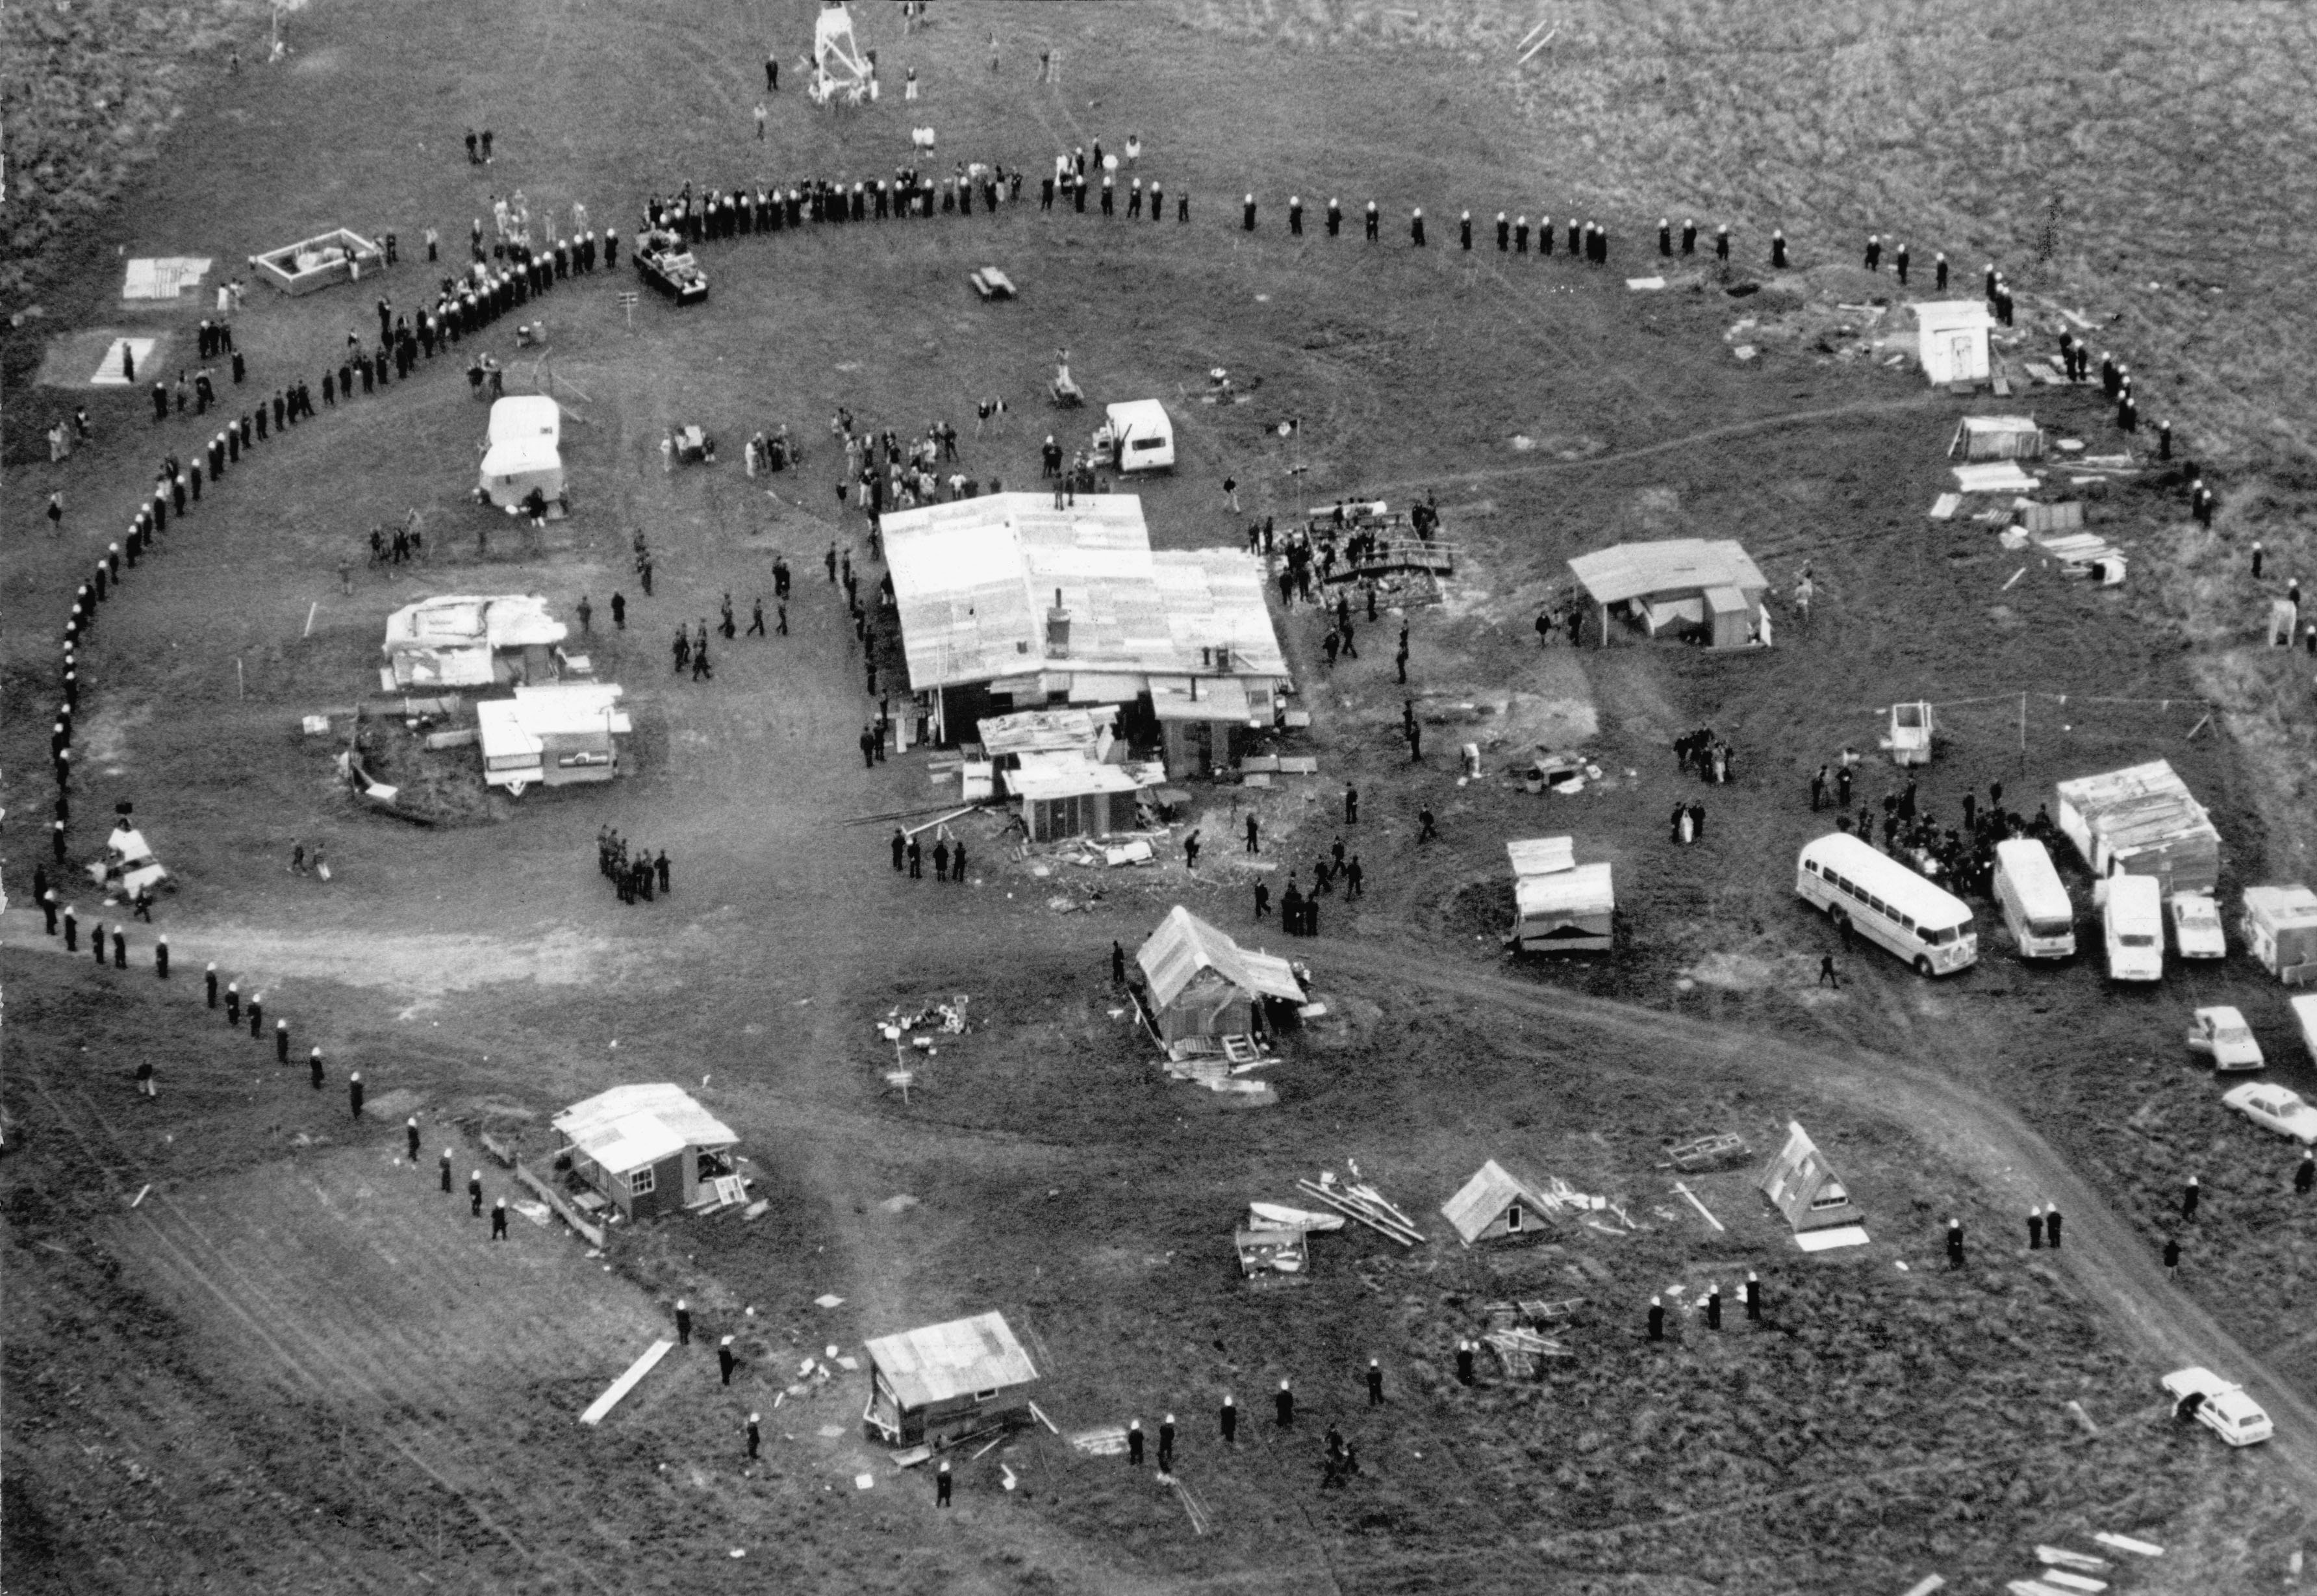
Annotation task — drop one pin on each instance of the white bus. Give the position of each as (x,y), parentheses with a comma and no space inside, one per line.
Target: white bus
(2134,919)
(1888,903)
(2035,901)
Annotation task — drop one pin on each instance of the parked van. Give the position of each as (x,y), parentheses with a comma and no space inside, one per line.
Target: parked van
(1887,903)
(2035,901)
(2134,919)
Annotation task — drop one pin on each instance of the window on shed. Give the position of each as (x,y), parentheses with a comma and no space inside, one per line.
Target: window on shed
(639,1181)
(989,1395)
(1513,1217)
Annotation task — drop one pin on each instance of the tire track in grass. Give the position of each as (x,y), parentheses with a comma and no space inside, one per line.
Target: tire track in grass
(191,1272)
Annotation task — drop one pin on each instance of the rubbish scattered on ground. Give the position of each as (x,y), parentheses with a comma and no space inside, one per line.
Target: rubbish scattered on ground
(539,1214)
(850,1365)
(1723,1150)
(863,1482)
(829,1432)
(1193,1508)
(757,1209)
(2125,1543)
(1107,1442)
(901,1203)
(948,1019)
(1943,507)
(1645,284)
(2061,1557)
(1272,1252)
(830,1300)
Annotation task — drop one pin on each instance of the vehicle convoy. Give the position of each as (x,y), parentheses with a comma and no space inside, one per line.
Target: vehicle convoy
(2220,1405)
(663,261)
(1887,903)
(2035,901)
(2221,1035)
(2132,920)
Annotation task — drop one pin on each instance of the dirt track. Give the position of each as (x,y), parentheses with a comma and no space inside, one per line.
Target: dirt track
(1981,1135)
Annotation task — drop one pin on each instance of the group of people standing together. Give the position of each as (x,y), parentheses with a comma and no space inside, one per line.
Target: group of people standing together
(639,876)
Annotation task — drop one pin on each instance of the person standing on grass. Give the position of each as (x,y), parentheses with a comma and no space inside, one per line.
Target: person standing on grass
(498,1221)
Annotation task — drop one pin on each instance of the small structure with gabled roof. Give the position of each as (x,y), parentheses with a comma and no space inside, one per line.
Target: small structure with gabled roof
(1199,983)
(649,1148)
(1495,1205)
(1710,588)
(1804,1187)
(1559,906)
(933,1384)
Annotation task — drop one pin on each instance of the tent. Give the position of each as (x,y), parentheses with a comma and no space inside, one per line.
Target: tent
(1559,906)
(1952,339)
(2143,820)
(1688,585)
(2280,929)
(1199,983)
(1804,1186)
(522,451)
(1136,436)
(935,1384)
(1494,1206)
(1997,437)
(555,734)
(648,1149)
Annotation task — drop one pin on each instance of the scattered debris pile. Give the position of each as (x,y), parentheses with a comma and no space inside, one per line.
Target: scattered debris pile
(1363,1203)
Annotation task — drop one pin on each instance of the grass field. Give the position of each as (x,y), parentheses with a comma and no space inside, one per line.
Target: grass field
(332,1382)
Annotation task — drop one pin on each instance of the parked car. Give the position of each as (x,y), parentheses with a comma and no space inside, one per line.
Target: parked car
(2218,1404)
(2275,1108)
(2197,927)
(2222,1035)
(663,261)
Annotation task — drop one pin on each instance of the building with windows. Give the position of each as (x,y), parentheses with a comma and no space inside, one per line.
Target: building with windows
(646,1149)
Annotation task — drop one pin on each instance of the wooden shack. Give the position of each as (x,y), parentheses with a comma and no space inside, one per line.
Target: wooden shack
(2143,820)
(929,1386)
(1559,906)
(1495,1205)
(1199,983)
(1803,1187)
(648,1149)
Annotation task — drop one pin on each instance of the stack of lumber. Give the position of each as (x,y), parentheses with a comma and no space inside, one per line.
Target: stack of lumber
(1365,1203)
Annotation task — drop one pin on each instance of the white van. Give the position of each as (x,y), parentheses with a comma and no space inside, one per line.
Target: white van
(2134,919)
(1882,900)
(2035,901)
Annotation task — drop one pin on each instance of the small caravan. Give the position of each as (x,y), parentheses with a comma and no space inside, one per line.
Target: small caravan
(2132,921)
(2035,901)
(523,452)
(1136,436)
